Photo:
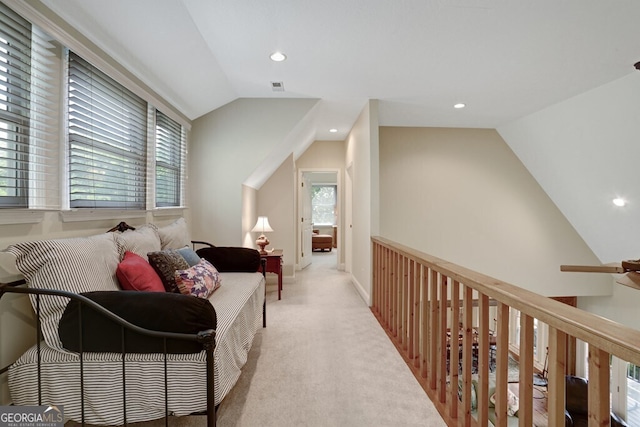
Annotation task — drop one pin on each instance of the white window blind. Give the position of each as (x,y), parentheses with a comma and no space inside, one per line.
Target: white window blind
(170,154)
(107,140)
(29,114)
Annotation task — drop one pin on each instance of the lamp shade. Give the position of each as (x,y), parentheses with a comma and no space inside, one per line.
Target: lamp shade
(262,225)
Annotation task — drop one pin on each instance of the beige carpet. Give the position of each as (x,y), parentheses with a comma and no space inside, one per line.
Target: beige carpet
(323,360)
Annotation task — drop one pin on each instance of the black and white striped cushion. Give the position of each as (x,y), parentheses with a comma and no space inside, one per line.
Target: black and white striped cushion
(81,264)
(239,309)
(174,235)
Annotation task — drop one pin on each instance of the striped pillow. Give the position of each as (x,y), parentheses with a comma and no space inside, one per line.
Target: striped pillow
(174,235)
(82,264)
(140,241)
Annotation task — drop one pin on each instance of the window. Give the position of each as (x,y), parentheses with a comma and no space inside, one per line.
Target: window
(107,140)
(15,54)
(120,151)
(323,204)
(29,114)
(170,147)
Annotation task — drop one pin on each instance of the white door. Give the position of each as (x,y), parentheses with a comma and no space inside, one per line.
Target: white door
(306,226)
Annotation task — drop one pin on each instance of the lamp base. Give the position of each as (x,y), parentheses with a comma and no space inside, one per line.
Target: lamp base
(262,241)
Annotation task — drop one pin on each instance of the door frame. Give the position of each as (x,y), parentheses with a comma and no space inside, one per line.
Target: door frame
(339,208)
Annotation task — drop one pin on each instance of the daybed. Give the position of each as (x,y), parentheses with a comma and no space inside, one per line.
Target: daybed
(83,353)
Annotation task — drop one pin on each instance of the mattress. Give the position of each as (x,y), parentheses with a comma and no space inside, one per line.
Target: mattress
(238,303)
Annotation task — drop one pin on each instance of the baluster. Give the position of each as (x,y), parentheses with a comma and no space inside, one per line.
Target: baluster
(483,361)
(502,364)
(412,314)
(599,413)
(525,388)
(443,337)
(424,313)
(454,348)
(402,305)
(467,326)
(556,377)
(433,320)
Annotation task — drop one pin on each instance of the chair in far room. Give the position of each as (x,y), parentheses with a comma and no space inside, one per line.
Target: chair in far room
(320,242)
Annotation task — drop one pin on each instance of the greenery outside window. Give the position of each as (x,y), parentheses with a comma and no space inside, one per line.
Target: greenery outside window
(120,152)
(323,204)
(170,153)
(107,140)
(29,114)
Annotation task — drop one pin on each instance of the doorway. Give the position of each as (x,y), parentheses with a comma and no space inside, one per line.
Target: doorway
(319,208)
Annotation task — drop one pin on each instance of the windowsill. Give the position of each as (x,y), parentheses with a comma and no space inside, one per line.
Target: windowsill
(173,211)
(77,215)
(21,216)
(34,216)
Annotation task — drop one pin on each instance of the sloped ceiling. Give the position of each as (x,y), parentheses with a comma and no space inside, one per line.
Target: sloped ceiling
(503,58)
(520,66)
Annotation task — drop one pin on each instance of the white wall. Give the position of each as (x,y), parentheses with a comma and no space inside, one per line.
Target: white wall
(327,155)
(583,152)
(226,146)
(276,200)
(249,215)
(361,152)
(462,195)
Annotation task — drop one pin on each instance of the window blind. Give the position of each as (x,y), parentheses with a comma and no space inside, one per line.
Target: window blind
(29,114)
(170,154)
(107,140)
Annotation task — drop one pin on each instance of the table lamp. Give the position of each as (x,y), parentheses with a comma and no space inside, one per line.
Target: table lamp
(262,226)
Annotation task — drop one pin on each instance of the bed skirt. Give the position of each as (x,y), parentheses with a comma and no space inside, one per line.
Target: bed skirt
(239,308)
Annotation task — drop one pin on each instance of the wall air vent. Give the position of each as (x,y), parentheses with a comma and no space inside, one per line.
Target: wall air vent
(277,86)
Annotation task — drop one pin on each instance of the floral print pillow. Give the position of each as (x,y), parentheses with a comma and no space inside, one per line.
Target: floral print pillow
(200,280)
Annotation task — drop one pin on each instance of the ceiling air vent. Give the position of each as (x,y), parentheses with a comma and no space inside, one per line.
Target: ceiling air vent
(277,86)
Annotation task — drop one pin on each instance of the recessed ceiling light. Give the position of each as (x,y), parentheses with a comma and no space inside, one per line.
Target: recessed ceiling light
(619,201)
(459,105)
(278,56)
(334,130)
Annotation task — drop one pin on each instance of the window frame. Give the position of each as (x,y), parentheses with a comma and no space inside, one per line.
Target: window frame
(67,37)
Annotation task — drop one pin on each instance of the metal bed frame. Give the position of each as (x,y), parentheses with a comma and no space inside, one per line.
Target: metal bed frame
(206,338)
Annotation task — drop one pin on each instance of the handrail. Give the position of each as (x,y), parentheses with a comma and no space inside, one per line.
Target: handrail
(413,300)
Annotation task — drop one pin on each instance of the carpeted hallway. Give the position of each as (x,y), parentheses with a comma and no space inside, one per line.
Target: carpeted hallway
(323,360)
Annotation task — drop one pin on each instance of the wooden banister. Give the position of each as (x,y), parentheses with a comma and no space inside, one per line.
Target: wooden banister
(421,301)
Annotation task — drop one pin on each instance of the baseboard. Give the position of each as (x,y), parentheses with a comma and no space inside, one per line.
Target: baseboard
(363,294)
(341,267)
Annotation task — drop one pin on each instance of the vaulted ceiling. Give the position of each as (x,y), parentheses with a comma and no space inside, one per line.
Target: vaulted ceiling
(534,70)
(503,58)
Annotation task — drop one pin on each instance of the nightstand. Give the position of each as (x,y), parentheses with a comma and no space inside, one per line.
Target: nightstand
(274,265)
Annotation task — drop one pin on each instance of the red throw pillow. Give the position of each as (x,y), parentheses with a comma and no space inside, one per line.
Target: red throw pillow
(136,274)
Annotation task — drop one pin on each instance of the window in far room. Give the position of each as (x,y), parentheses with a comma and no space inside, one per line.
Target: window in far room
(323,204)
